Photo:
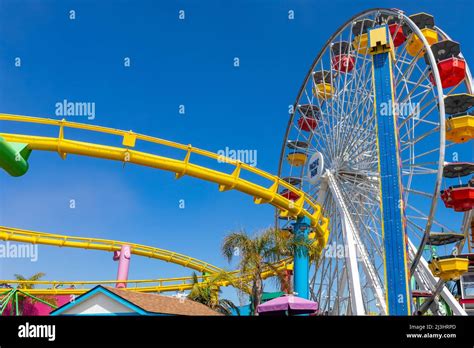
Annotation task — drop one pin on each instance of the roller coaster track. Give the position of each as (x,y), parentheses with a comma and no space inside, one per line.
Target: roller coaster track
(19,235)
(303,206)
(157,285)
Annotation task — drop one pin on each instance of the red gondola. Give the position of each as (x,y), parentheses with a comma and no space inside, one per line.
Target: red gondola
(289,195)
(460,198)
(307,123)
(452,71)
(343,63)
(308,120)
(398,37)
(395,28)
(342,60)
(451,67)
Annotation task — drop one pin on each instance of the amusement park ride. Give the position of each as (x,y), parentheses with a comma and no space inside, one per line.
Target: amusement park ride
(357,169)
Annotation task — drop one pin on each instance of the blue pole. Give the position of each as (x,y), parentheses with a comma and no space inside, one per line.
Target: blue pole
(393,215)
(301,258)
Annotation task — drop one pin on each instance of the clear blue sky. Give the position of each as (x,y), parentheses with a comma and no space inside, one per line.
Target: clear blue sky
(173,62)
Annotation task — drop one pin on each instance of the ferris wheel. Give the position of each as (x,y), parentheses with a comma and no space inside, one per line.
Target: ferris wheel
(377,112)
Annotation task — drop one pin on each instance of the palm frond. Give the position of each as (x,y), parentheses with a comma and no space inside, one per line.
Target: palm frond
(235,241)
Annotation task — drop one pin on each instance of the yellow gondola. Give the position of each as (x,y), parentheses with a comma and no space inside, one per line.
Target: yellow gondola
(426,24)
(450,268)
(297,159)
(460,129)
(323,91)
(415,44)
(361,38)
(360,43)
(323,88)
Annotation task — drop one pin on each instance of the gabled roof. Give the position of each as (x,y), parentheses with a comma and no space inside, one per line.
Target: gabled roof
(145,304)
(163,304)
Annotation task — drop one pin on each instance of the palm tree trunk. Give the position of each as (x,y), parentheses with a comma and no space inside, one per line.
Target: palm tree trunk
(257,290)
(286,282)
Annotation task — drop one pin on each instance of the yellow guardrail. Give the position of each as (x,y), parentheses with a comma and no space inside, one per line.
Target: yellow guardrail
(160,285)
(142,285)
(33,237)
(303,206)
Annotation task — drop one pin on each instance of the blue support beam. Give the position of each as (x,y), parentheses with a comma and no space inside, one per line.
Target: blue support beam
(393,216)
(301,258)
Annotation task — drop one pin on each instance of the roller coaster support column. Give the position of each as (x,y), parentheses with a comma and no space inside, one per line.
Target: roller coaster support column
(13,157)
(301,230)
(391,205)
(123,257)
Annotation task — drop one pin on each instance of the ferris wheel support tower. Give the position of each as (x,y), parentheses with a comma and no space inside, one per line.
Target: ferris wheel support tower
(393,219)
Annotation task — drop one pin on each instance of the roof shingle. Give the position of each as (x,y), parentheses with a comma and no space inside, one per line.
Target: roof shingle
(163,304)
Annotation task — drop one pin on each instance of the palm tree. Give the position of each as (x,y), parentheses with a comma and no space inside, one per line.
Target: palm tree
(260,252)
(255,254)
(26,286)
(207,292)
(34,277)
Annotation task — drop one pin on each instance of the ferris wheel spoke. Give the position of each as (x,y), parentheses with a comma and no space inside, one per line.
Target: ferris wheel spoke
(403,69)
(370,232)
(420,137)
(420,193)
(329,114)
(325,268)
(341,100)
(404,76)
(415,114)
(360,75)
(426,153)
(354,136)
(414,157)
(426,115)
(325,146)
(363,89)
(423,171)
(409,163)
(360,215)
(363,94)
(362,145)
(360,109)
(412,96)
(416,229)
(422,216)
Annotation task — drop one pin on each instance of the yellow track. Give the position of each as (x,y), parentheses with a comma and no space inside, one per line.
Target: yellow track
(143,285)
(19,235)
(304,206)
